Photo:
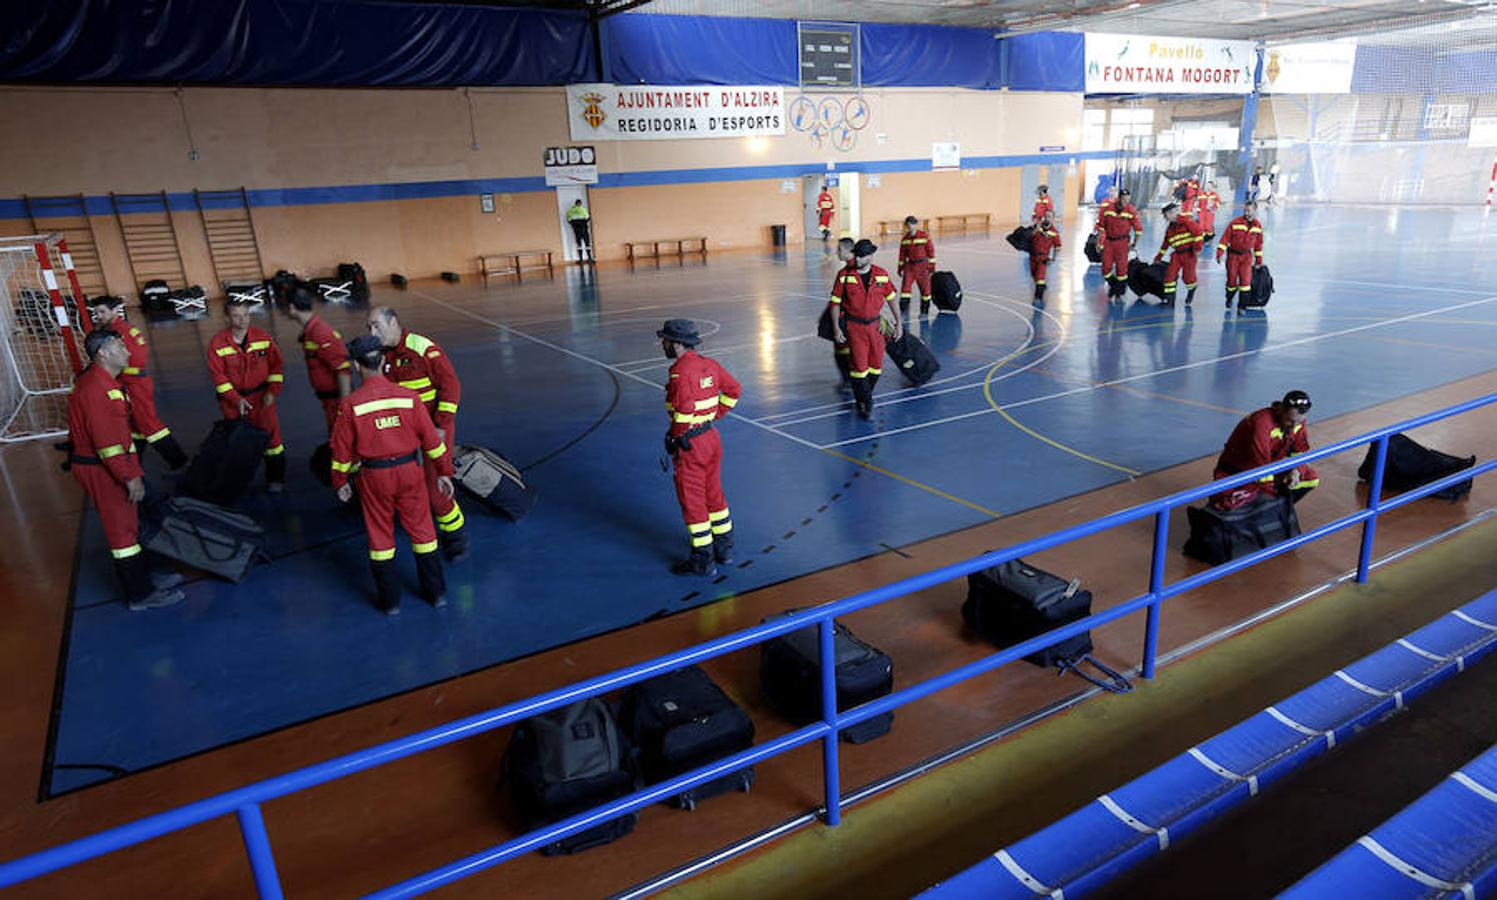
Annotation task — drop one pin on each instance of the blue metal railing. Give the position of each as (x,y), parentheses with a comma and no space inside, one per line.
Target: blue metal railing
(245,802)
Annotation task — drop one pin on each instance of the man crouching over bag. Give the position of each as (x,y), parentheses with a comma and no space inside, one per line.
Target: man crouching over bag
(1273,433)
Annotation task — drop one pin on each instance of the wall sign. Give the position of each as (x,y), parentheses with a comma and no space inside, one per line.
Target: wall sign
(609,112)
(486,203)
(946,155)
(828,55)
(1140,64)
(1483,132)
(570,165)
(1320,67)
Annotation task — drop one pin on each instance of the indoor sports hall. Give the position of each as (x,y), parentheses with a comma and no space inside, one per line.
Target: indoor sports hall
(571,205)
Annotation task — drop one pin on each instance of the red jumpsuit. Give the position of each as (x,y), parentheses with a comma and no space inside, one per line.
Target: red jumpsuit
(1041,206)
(1044,240)
(825,207)
(249,370)
(1206,206)
(145,424)
(1257,441)
(418,363)
(326,357)
(700,391)
(917,261)
(1242,241)
(860,306)
(1183,238)
(384,431)
(103,457)
(1116,224)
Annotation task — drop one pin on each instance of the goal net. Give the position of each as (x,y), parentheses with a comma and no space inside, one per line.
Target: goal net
(42,323)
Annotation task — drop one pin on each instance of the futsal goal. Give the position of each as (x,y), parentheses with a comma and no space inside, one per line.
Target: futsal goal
(42,324)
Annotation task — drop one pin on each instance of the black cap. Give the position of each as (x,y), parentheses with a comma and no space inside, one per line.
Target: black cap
(1170,206)
(682,331)
(364,347)
(1043,189)
(864,247)
(1124,192)
(1297,400)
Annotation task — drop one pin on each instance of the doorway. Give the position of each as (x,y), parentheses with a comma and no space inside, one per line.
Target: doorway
(844,189)
(566,195)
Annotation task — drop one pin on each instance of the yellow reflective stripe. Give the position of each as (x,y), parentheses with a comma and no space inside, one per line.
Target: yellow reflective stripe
(111,451)
(881,279)
(343,467)
(310,345)
(709,403)
(257,345)
(115,394)
(382,555)
(223,388)
(1276,433)
(717,516)
(835,299)
(387,403)
(689,419)
(453,521)
(416,342)
(226,351)
(1266,479)
(1238,226)
(727,401)
(130,370)
(1255,231)
(274,378)
(437,451)
(724,528)
(277,450)
(343,365)
(428,396)
(428,547)
(446,406)
(1304,483)
(703,541)
(153,438)
(124,552)
(415,383)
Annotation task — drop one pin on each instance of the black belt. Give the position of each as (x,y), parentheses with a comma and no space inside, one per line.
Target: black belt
(1116,239)
(859,320)
(1231,252)
(390,462)
(77,460)
(256,389)
(678,442)
(328,395)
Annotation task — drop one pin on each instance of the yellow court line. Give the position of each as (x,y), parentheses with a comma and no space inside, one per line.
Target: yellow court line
(913,483)
(1130,389)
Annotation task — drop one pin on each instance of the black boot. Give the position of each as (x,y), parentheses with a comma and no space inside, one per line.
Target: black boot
(171,451)
(454,545)
(433,581)
(722,548)
(275,472)
(924,307)
(844,370)
(698,563)
(860,396)
(1190,295)
(140,592)
(904,306)
(1169,298)
(386,585)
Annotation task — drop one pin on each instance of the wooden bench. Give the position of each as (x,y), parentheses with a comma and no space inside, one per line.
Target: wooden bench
(513,262)
(896,226)
(671,247)
(965,222)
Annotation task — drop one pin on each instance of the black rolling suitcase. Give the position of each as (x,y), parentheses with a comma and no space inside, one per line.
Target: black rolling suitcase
(1218,535)
(790,673)
(1020,237)
(226,463)
(494,480)
(946,291)
(1146,278)
(1411,465)
(353,274)
(913,358)
(1262,288)
(681,721)
(1015,601)
(568,761)
(1093,248)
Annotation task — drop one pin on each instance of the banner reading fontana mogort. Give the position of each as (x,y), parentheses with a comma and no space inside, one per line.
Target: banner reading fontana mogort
(1139,64)
(612,112)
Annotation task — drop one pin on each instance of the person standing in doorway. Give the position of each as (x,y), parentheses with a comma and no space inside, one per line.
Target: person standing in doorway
(826,207)
(581,223)
(1042,204)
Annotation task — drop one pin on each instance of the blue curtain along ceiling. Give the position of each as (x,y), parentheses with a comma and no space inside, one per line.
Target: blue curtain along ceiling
(290,42)
(1045,61)
(929,56)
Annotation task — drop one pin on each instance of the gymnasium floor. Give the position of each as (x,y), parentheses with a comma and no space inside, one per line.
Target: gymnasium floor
(563,376)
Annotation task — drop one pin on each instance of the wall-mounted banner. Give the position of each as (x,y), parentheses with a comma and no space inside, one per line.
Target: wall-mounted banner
(610,112)
(1139,64)
(570,165)
(1320,67)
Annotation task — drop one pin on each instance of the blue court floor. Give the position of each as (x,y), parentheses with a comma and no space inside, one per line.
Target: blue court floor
(564,376)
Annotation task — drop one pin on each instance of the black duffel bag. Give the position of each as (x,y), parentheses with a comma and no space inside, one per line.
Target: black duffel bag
(1020,238)
(1410,465)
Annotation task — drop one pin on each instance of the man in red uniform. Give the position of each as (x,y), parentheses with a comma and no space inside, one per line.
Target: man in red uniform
(1207,203)
(840,352)
(327,359)
(248,374)
(917,262)
(699,392)
(826,207)
(384,431)
(146,426)
(858,297)
(1118,223)
(1042,246)
(415,361)
(103,461)
(1183,240)
(1273,433)
(1242,242)
(1042,203)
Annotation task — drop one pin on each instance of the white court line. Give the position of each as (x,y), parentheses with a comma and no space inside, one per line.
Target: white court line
(1166,371)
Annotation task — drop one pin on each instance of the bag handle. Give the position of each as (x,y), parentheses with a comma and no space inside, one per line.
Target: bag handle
(1115,683)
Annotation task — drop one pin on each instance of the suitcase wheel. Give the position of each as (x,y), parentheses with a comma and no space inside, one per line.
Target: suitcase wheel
(744,786)
(688,802)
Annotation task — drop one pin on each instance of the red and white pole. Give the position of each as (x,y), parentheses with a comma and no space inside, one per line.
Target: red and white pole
(64,323)
(78,299)
(1492,185)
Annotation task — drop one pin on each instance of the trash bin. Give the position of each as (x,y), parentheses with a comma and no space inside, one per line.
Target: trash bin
(777,235)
